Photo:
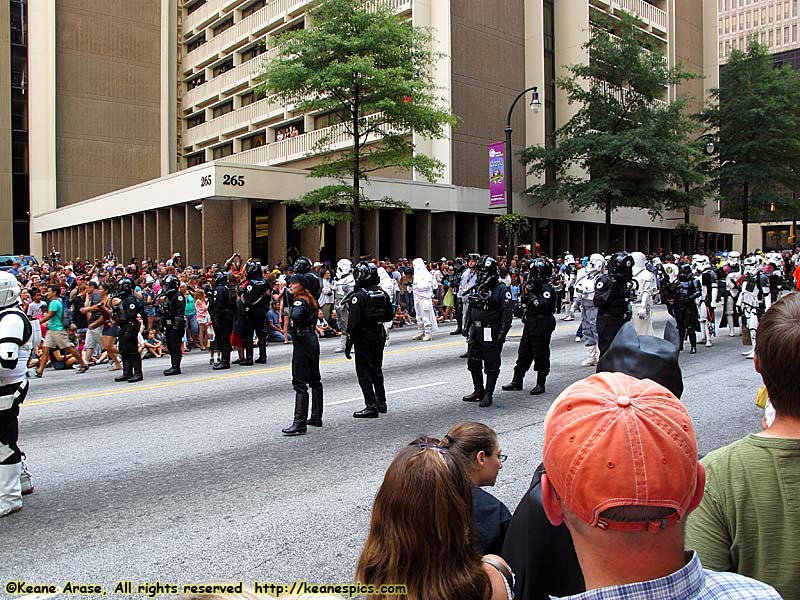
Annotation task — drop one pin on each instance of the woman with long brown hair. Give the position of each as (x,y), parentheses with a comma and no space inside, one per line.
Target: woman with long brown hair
(422,534)
(110,328)
(478,447)
(305,358)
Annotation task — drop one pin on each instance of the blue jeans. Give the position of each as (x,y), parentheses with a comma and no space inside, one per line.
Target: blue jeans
(191,325)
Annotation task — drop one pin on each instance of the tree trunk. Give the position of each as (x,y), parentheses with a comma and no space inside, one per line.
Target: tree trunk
(355,235)
(608,249)
(745,218)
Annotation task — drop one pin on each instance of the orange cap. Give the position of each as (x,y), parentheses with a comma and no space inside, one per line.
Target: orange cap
(613,440)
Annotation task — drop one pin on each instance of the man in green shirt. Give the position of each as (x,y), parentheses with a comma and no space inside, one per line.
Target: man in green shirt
(749,519)
(57,337)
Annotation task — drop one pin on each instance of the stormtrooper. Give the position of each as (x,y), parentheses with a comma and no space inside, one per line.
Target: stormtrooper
(370,307)
(342,286)
(568,276)
(303,266)
(707,301)
(539,301)
(422,286)
(255,300)
(488,319)
(128,309)
(173,311)
(773,267)
(222,308)
(754,299)
(645,289)
(613,292)
(388,285)
(584,298)
(728,277)
(18,337)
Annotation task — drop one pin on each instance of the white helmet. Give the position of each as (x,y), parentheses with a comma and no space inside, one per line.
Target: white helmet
(655,261)
(775,259)
(672,270)
(569,259)
(733,258)
(343,268)
(639,262)
(752,264)
(596,264)
(700,263)
(9,289)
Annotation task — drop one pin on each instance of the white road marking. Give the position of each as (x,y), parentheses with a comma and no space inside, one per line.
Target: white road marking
(416,387)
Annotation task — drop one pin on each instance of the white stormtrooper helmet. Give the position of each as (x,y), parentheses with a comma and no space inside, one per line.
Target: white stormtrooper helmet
(596,264)
(9,289)
(656,261)
(343,268)
(672,270)
(774,258)
(752,264)
(569,259)
(733,258)
(639,262)
(700,263)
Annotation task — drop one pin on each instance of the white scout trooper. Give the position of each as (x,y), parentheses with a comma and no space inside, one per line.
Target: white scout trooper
(646,287)
(733,277)
(755,298)
(18,336)
(584,297)
(342,286)
(568,276)
(707,302)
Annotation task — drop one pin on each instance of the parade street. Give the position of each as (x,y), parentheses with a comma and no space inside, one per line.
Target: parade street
(188,478)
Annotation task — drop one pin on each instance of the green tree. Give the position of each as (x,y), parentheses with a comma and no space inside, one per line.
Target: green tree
(756,113)
(623,147)
(370,71)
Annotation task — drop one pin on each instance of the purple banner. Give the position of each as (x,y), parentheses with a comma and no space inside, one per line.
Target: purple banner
(497,175)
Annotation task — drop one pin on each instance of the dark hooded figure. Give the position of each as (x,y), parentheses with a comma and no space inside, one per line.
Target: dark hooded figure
(542,556)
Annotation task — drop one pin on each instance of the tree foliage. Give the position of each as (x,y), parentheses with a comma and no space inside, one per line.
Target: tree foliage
(756,114)
(370,72)
(623,147)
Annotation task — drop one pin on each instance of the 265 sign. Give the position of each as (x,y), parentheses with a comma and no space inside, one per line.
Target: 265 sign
(234,180)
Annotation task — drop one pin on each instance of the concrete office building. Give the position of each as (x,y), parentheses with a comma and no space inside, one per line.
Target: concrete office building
(226,161)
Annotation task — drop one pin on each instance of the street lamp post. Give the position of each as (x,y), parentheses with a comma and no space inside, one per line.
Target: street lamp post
(536,106)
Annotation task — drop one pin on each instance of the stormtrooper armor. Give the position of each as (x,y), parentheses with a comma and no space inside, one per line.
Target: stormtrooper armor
(646,287)
(584,298)
(422,286)
(732,286)
(19,336)
(754,299)
(707,301)
(568,277)
(342,286)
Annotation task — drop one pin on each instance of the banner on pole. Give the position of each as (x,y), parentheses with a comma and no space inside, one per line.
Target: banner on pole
(497,175)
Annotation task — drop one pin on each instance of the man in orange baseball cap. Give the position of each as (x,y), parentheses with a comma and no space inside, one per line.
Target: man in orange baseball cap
(620,456)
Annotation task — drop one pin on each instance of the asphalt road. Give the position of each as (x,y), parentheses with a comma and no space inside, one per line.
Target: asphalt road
(188,478)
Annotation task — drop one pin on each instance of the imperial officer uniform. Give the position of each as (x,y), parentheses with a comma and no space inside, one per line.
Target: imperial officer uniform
(488,321)
(174,314)
(539,305)
(369,308)
(127,313)
(221,309)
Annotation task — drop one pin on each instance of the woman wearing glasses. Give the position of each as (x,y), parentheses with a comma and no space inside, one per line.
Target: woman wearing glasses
(477,445)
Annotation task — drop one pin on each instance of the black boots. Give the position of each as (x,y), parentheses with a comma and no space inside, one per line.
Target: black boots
(248,357)
(368,412)
(477,388)
(262,353)
(516,383)
(541,377)
(316,407)
(491,381)
(126,371)
(175,369)
(222,364)
(136,367)
(172,371)
(298,426)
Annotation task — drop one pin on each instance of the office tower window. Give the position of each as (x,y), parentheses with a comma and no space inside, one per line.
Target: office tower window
(196,159)
(223,67)
(196,81)
(226,24)
(253,96)
(195,43)
(194,6)
(223,151)
(253,7)
(254,141)
(254,51)
(223,109)
(196,119)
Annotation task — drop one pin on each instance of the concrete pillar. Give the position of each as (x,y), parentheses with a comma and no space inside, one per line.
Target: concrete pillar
(105,237)
(488,236)
(127,238)
(150,236)
(217,233)
(371,233)
(443,242)
(242,230)
(397,234)
(423,249)
(115,238)
(96,245)
(343,239)
(177,233)
(276,214)
(310,243)
(163,234)
(470,234)
(194,232)
(138,237)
